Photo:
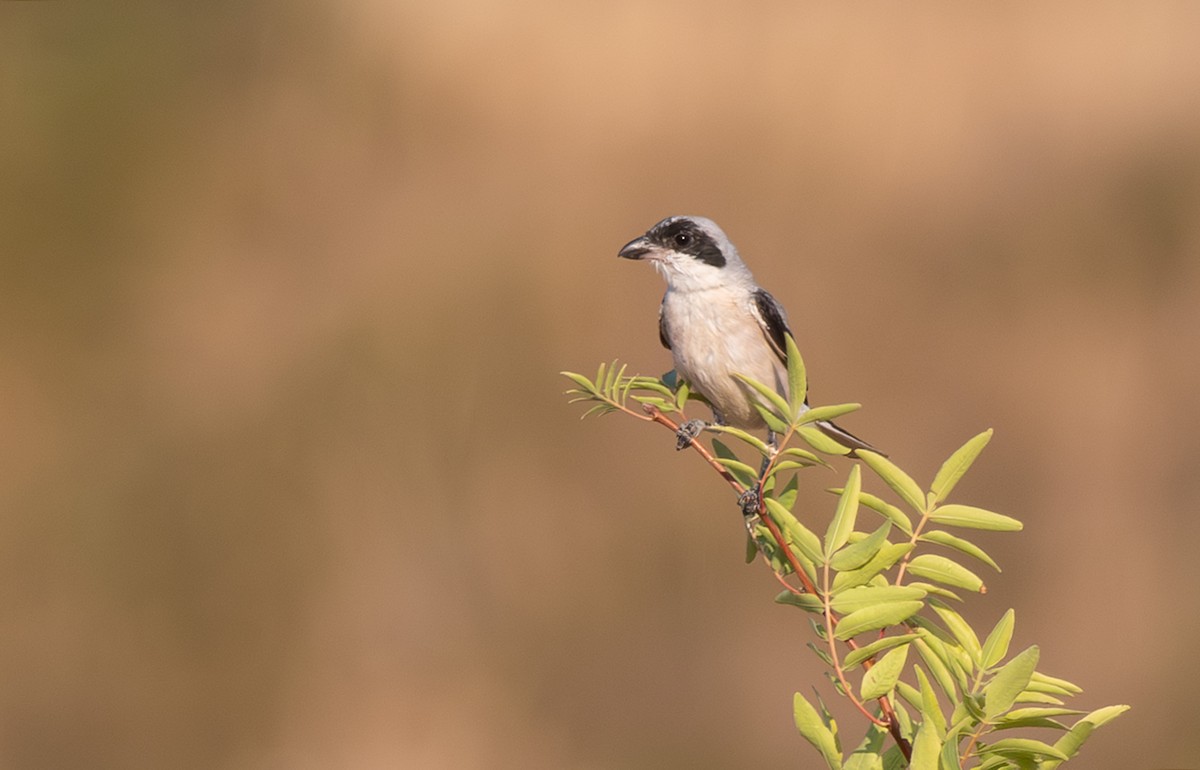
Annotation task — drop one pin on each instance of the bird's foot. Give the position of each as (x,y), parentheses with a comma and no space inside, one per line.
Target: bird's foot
(688,432)
(750,501)
(772,453)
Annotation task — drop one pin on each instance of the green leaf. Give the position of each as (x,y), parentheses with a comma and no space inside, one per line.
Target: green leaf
(974,518)
(941,537)
(1070,743)
(813,728)
(875,617)
(885,509)
(751,548)
(949,755)
(1002,691)
(788,465)
(944,570)
(797,379)
(1044,683)
(937,668)
(820,442)
(905,721)
(995,648)
(935,590)
(931,711)
(774,399)
(773,421)
(1102,716)
(616,384)
(764,543)
(827,717)
(827,659)
(743,473)
(681,396)
(579,380)
(806,602)
(926,748)
(933,632)
(833,411)
(868,755)
(844,517)
(1023,747)
(604,378)
(947,652)
(787,496)
(893,759)
(854,657)
(960,662)
(888,555)
(661,403)
(626,386)
(881,678)
(642,382)
(804,456)
(748,438)
(1040,712)
(961,629)
(597,409)
(855,599)
(805,539)
(858,554)
(1008,723)
(953,469)
(909,693)
(900,482)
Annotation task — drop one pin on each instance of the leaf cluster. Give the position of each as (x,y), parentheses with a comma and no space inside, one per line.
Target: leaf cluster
(611,390)
(881,591)
(956,700)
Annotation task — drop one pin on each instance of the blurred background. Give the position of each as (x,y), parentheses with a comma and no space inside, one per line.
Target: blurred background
(286,475)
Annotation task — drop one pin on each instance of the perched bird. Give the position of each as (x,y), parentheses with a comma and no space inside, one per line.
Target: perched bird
(717,322)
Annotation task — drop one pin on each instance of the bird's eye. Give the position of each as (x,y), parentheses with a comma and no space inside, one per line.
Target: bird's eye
(682,239)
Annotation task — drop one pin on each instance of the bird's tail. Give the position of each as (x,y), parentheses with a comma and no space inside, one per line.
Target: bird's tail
(845,437)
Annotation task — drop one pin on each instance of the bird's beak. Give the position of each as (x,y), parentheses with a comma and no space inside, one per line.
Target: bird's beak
(638,248)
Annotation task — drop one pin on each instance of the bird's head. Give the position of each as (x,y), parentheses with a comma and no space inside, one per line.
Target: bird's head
(691,253)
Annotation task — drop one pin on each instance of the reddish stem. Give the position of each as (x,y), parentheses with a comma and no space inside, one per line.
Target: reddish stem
(885,705)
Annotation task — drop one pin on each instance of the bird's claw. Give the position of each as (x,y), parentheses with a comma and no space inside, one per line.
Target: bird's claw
(688,432)
(750,501)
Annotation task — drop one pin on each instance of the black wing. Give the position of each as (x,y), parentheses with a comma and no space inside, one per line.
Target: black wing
(773,320)
(663,336)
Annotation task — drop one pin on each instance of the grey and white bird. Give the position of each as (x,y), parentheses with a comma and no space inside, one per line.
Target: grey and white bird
(717,322)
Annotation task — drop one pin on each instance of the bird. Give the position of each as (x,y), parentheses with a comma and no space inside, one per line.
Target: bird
(717,322)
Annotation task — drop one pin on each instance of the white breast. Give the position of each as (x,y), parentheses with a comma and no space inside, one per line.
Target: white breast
(715,334)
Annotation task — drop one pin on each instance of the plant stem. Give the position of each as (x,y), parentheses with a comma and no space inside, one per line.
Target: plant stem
(657,416)
(831,622)
(889,713)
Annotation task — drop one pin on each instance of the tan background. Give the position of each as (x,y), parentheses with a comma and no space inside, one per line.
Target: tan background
(286,478)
